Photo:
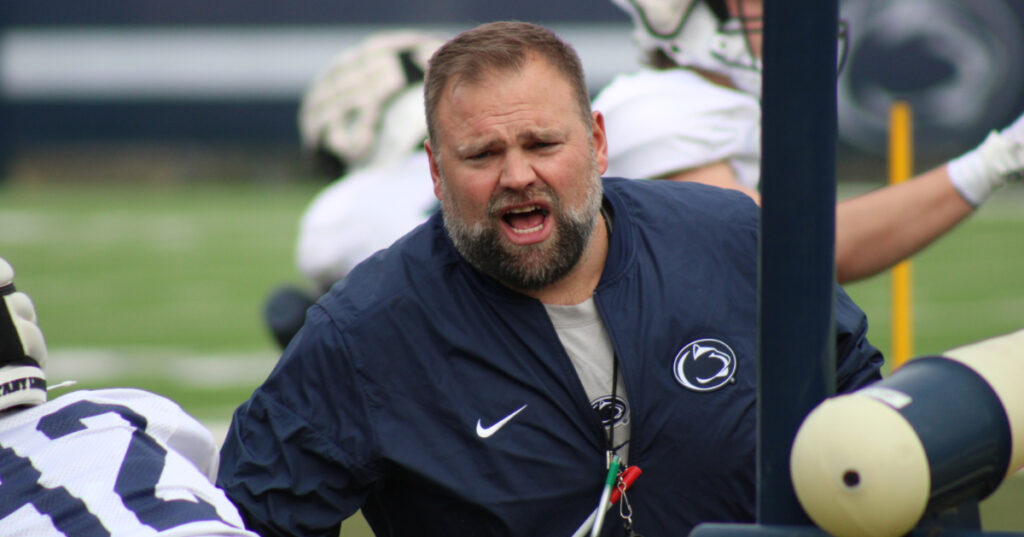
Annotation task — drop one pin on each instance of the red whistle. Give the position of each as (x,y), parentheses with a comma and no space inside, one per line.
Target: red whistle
(627,478)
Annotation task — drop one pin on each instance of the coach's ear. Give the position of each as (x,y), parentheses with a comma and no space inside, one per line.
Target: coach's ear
(435,171)
(600,141)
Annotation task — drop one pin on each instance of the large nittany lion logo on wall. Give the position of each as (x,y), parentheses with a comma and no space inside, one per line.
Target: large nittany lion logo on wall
(705,365)
(957,64)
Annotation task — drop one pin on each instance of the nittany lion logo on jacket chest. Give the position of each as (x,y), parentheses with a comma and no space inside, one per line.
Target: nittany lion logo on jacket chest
(705,365)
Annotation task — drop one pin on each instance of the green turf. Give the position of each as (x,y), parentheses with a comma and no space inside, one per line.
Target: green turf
(967,286)
(180,266)
(182,270)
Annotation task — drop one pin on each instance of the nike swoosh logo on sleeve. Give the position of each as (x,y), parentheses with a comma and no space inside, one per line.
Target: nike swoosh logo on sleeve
(485,432)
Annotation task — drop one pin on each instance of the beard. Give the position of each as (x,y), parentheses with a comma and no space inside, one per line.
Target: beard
(525,267)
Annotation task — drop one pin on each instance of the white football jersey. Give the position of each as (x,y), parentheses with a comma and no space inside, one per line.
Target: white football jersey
(116,462)
(661,122)
(361,213)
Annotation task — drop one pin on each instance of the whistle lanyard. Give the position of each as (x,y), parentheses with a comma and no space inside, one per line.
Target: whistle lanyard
(610,448)
(616,481)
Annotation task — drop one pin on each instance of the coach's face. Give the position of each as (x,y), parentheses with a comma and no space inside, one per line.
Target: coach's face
(518,174)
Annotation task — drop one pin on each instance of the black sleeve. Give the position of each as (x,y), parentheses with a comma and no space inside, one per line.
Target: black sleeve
(298,456)
(858,362)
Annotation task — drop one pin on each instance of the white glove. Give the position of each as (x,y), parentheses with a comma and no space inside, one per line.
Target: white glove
(999,159)
(22,347)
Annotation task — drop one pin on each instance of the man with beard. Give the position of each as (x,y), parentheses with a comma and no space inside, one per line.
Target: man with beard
(478,376)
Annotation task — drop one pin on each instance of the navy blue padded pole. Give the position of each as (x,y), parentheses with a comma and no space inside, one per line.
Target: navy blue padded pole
(797,343)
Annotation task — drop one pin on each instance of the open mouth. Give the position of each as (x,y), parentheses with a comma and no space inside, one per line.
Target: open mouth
(524,220)
(526,224)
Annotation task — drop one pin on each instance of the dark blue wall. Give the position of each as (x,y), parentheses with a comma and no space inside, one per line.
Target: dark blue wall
(132,12)
(253,116)
(956,61)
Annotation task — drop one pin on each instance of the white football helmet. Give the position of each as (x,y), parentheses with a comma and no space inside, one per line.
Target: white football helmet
(22,348)
(699,34)
(366,107)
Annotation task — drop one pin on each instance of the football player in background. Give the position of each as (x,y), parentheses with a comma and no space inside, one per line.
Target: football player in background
(114,462)
(695,115)
(362,120)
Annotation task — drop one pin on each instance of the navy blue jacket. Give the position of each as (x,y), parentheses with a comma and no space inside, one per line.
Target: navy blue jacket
(376,402)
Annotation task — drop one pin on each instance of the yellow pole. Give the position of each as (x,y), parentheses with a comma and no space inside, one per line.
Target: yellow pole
(901,155)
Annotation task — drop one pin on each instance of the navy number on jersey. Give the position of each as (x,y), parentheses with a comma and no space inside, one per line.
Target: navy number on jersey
(136,481)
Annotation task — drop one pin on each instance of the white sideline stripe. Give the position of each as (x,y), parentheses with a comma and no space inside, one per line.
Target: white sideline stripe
(39,224)
(205,370)
(226,62)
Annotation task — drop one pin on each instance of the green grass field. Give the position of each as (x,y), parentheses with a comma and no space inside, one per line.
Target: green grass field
(152,275)
(161,287)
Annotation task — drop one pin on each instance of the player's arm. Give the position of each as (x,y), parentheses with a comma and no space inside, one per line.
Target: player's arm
(879,229)
(192,440)
(874,231)
(718,174)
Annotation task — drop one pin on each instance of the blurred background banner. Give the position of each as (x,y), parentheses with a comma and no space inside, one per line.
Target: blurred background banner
(232,71)
(229,71)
